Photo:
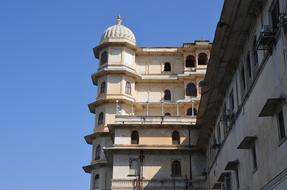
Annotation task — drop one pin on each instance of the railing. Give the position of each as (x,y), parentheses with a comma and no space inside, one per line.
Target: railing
(170,183)
(180,120)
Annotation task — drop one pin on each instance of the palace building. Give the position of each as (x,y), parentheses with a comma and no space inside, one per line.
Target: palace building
(164,120)
(146,105)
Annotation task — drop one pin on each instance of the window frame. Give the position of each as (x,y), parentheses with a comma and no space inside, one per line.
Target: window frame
(175,137)
(191,90)
(103,87)
(242,79)
(281,126)
(98,152)
(135,137)
(167,95)
(134,171)
(101,118)
(248,65)
(231,101)
(254,158)
(200,59)
(190,61)
(176,168)
(167,67)
(128,88)
(96,178)
(104,58)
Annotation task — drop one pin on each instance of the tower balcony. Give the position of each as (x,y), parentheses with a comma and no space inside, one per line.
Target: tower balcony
(156,120)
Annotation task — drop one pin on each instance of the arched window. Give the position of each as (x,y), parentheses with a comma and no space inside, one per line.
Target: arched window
(190,61)
(191,112)
(104,58)
(101,118)
(128,87)
(98,152)
(175,169)
(167,95)
(167,66)
(202,59)
(135,137)
(167,114)
(103,88)
(96,182)
(175,137)
(191,90)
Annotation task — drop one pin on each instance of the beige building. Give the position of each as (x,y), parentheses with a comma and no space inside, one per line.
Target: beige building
(145,110)
(243,112)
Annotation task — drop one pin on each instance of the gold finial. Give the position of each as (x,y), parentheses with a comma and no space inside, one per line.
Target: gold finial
(119,20)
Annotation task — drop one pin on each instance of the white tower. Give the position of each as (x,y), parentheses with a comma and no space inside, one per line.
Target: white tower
(115,79)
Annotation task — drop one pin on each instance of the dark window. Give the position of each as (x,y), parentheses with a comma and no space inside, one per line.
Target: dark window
(237,178)
(275,16)
(228,182)
(134,167)
(202,59)
(101,118)
(219,134)
(254,158)
(167,66)
(255,54)
(135,137)
(103,88)
(98,152)
(231,100)
(167,114)
(248,65)
(191,90)
(128,88)
(96,183)
(175,137)
(167,95)
(243,83)
(191,111)
(175,169)
(190,61)
(282,133)
(104,58)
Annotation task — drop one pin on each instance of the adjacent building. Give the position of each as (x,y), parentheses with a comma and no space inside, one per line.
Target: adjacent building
(147,99)
(243,111)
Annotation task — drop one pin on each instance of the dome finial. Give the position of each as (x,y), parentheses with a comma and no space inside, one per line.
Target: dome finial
(119,20)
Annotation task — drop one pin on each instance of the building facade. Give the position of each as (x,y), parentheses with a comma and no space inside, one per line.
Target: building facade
(145,135)
(243,111)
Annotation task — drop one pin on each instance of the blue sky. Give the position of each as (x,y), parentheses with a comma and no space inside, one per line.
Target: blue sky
(46,61)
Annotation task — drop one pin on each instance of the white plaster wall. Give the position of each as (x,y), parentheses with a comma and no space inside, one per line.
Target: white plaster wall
(129,58)
(271,155)
(154,136)
(153,64)
(115,55)
(114,84)
(155,165)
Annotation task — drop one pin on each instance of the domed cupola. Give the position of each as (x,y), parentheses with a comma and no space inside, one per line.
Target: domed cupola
(118,33)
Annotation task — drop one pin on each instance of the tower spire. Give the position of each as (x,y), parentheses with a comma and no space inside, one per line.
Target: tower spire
(119,20)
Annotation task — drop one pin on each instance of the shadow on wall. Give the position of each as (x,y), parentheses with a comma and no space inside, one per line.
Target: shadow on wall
(162,171)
